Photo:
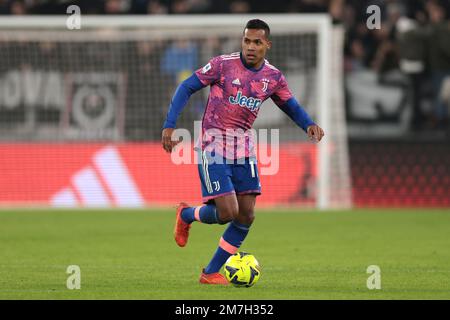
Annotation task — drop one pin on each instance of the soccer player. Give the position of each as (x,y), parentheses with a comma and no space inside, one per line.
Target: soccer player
(239,83)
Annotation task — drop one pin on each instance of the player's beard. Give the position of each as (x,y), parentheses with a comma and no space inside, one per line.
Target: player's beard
(253,61)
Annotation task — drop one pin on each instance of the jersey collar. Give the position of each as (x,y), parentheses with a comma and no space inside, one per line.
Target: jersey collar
(251,68)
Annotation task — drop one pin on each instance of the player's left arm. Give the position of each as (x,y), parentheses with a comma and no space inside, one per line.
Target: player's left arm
(284,99)
(298,114)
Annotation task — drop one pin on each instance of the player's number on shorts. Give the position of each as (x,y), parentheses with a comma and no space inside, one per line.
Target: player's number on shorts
(252,168)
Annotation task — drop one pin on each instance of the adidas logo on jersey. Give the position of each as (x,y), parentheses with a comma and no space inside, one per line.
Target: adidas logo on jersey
(236,82)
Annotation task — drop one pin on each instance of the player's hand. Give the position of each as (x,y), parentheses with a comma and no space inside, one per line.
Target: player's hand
(315,133)
(166,140)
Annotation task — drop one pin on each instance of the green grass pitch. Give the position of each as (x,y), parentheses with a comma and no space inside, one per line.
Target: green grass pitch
(131,254)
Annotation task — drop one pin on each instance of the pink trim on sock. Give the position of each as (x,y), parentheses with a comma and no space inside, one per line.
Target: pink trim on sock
(197,213)
(227,247)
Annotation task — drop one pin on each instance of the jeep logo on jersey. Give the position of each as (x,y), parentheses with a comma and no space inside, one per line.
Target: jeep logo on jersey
(250,103)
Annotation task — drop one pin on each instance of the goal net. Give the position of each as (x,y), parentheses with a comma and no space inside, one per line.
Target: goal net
(81,111)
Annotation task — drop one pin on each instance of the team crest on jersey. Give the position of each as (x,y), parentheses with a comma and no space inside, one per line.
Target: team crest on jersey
(265,83)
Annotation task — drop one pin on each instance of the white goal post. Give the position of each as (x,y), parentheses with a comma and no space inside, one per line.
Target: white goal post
(308,49)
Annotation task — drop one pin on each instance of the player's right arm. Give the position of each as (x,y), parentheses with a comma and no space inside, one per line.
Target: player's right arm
(198,80)
(178,102)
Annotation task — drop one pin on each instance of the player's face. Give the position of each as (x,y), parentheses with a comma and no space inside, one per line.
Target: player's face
(254,46)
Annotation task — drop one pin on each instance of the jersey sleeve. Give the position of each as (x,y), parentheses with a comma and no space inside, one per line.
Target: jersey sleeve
(210,73)
(282,94)
(180,99)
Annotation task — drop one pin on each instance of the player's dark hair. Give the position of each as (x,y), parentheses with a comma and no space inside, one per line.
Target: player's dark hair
(258,24)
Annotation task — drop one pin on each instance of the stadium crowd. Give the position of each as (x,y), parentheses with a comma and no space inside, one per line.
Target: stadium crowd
(414,37)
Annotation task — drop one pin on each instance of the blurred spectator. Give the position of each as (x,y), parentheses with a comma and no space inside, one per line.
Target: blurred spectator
(146,83)
(239,6)
(308,6)
(50,6)
(115,7)
(156,7)
(386,56)
(356,56)
(211,48)
(439,57)
(336,10)
(394,10)
(4,7)
(199,6)
(18,7)
(179,7)
(219,6)
(148,7)
(180,59)
(412,51)
(47,55)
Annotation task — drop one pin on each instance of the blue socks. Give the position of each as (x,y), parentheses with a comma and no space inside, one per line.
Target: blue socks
(205,213)
(228,245)
(231,240)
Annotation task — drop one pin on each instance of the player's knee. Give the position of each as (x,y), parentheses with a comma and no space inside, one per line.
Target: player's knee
(250,218)
(246,219)
(227,214)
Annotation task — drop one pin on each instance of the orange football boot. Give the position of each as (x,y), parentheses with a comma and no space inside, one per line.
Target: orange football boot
(181,231)
(213,278)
